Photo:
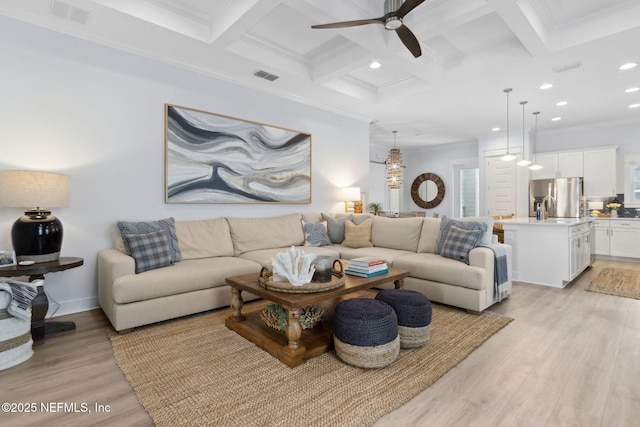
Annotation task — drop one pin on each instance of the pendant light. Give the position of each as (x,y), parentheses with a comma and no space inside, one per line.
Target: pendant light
(507,157)
(523,162)
(535,167)
(394,166)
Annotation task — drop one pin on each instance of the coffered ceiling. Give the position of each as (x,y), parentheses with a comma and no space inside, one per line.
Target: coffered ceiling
(472,50)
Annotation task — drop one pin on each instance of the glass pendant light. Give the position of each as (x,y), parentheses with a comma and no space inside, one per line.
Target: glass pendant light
(523,162)
(507,157)
(394,166)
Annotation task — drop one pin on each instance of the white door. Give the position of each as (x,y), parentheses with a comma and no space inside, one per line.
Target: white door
(501,187)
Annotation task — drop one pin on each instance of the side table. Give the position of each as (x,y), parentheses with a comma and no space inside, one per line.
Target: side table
(40,304)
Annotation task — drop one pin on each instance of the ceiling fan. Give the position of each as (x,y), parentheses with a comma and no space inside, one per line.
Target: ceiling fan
(394,12)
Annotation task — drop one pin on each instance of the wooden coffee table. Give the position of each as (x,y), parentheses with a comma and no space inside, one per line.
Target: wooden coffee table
(294,346)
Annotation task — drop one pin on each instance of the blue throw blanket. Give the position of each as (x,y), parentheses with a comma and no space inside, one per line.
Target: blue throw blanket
(501,284)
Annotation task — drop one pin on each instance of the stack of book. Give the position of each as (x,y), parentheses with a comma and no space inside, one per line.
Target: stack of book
(367,267)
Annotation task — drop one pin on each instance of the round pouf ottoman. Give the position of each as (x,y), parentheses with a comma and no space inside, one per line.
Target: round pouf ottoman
(413,311)
(365,333)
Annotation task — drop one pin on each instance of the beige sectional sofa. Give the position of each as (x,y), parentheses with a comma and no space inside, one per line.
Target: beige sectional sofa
(218,248)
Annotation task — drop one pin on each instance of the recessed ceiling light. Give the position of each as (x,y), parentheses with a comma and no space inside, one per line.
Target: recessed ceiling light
(555,119)
(628,66)
(374,65)
(546,86)
(632,89)
(561,103)
(495,129)
(634,105)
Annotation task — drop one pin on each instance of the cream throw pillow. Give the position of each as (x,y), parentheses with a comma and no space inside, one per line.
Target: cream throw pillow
(358,236)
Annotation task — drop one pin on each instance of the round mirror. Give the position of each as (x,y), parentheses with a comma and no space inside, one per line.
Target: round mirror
(427,190)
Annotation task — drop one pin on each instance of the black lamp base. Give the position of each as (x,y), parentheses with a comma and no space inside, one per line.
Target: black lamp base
(37,236)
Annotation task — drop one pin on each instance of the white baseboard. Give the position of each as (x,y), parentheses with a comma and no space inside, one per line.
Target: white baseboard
(72,306)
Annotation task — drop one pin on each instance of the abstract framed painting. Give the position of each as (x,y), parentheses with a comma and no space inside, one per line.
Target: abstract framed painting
(211,158)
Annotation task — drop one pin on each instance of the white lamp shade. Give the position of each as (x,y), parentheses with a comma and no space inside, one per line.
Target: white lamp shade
(351,193)
(31,189)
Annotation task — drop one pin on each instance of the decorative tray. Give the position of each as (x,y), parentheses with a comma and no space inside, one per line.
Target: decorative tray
(337,280)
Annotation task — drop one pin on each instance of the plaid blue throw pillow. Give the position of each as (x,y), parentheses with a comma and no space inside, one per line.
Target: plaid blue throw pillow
(150,250)
(141,227)
(446,223)
(459,242)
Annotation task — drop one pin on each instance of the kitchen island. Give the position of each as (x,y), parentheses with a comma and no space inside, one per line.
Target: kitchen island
(549,252)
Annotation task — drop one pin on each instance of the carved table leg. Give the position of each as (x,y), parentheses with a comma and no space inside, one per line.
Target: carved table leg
(294,329)
(237,303)
(399,284)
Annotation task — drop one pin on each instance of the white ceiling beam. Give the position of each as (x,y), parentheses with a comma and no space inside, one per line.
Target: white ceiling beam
(239,19)
(339,63)
(521,19)
(597,27)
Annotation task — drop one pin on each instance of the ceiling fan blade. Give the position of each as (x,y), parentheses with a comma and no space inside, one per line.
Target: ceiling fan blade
(407,7)
(409,40)
(350,23)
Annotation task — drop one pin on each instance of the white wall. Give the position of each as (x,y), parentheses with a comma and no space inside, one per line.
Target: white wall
(441,160)
(97,114)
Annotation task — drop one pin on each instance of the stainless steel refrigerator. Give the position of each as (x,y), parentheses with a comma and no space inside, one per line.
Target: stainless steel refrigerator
(560,197)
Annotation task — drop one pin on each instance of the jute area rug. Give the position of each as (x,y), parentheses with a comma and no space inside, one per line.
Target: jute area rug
(618,282)
(195,371)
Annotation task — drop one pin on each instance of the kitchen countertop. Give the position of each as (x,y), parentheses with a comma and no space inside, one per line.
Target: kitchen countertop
(564,222)
(616,218)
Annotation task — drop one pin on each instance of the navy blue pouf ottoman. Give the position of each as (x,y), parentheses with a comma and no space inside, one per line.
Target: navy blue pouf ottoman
(413,311)
(365,333)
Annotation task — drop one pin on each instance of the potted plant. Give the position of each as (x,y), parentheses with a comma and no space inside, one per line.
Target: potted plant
(375,208)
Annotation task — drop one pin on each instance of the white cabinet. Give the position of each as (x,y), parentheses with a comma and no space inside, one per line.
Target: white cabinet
(579,249)
(549,163)
(559,165)
(617,237)
(601,237)
(549,252)
(600,168)
(624,236)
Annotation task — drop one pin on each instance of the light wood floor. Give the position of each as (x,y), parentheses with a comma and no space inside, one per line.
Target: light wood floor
(570,358)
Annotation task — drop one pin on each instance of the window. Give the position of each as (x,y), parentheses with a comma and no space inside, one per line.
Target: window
(632,181)
(469,192)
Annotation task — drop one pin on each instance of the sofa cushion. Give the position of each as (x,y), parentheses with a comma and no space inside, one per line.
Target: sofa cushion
(357,236)
(252,234)
(396,233)
(429,235)
(446,223)
(459,242)
(315,234)
(204,238)
(186,276)
(264,257)
(149,250)
(435,268)
(335,226)
(312,217)
(141,227)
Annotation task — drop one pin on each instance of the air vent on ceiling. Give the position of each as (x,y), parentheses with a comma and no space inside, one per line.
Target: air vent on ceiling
(67,11)
(567,67)
(267,76)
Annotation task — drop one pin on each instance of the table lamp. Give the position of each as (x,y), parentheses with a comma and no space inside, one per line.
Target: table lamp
(352,202)
(37,235)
